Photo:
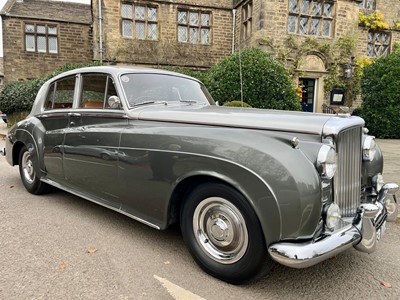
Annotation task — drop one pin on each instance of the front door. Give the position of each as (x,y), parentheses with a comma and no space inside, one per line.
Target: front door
(307,89)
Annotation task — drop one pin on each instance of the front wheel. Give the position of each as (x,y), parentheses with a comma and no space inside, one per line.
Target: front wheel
(223,233)
(28,174)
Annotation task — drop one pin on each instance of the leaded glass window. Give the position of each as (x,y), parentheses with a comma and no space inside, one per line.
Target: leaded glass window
(247,19)
(378,44)
(367,4)
(311,17)
(41,38)
(194,27)
(139,21)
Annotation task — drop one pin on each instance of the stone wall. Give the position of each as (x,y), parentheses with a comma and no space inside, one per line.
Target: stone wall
(74,46)
(270,22)
(166,50)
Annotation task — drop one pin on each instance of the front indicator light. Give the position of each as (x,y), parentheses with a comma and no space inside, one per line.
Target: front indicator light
(332,216)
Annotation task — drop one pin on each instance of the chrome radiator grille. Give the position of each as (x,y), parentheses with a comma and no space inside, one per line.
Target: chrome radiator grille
(347,180)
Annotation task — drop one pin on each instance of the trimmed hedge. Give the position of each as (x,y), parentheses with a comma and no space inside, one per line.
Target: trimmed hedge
(380,90)
(266,83)
(237,104)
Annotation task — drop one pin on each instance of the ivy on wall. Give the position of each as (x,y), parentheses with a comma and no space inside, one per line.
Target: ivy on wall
(336,54)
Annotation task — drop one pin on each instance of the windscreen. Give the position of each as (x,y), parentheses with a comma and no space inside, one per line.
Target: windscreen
(141,89)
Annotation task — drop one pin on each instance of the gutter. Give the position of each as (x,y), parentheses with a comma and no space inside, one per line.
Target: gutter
(233,30)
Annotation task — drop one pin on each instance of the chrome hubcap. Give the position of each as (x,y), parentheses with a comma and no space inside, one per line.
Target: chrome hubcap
(220,230)
(27,168)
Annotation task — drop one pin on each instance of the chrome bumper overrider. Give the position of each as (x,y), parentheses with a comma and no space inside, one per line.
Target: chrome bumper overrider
(361,233)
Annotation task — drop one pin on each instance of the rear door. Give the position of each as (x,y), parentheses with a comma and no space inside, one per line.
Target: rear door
(91,142)
(54,122)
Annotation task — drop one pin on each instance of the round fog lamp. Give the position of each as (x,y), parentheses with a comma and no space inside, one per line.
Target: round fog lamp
(332,216)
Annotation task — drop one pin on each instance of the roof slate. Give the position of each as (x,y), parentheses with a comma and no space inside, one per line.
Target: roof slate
(49,10)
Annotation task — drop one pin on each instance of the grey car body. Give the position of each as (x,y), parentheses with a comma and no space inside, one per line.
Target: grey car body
(246,185)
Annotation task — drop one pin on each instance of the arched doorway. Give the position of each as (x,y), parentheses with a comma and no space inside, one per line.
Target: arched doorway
(311,82)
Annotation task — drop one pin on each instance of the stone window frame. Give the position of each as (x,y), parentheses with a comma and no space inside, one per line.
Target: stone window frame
(41,31)
(247,20)
(377,44)
(367,5)
(305,12)
(189,31)
(147,21)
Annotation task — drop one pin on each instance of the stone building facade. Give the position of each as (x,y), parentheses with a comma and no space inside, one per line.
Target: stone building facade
(41,35)
(318,27)
(314,39)
(184,33)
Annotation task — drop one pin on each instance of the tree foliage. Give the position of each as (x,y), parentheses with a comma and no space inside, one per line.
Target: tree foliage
(266,83)
(380,87)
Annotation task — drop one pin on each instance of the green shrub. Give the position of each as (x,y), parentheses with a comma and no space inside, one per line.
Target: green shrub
(19,96)
(380,86)
(200,75)
(266,83)
(237,104)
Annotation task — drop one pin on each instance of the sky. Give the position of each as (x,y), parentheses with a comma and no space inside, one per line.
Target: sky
(2,2)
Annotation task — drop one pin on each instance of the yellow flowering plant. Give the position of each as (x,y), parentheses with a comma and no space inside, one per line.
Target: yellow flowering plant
(373,21)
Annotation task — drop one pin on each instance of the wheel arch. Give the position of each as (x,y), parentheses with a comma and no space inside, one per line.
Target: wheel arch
(261,200)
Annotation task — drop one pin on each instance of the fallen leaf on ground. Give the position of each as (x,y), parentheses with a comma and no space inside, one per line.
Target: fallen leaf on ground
(91,250)
(385,284)
(62,266)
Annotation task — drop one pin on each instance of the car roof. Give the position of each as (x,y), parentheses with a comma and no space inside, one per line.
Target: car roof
(118,70)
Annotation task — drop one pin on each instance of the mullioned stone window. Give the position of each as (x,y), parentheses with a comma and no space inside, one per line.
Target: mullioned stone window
(367,4)
(41,38)
(311,17)
(139,21)
(378,43)
(247,20)
(194,27)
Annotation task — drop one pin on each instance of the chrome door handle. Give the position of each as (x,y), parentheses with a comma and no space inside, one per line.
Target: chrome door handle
(74,114)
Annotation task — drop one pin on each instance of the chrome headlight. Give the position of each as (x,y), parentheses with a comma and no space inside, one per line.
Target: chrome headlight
(369,148)
(326,161)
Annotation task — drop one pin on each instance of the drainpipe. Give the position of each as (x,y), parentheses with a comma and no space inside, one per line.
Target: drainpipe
(100,32)
(233,30)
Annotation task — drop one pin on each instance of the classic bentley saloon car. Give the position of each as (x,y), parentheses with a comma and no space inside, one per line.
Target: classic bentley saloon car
(247,186)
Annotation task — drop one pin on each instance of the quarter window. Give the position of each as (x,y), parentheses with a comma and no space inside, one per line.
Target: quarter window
(311,17)
(140,21)
(378,44)
(247,20)
(41,38)
(194,27)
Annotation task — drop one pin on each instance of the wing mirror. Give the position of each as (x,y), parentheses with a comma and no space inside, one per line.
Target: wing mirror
(114,102)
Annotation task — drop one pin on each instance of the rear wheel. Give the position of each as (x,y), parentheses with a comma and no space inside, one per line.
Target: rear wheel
(223,233)
(28,174)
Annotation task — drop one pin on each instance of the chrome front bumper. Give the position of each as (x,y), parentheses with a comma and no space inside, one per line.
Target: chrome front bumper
(363,233)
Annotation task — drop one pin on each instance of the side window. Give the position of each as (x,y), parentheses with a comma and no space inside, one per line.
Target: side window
(61,94)
(96,90)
